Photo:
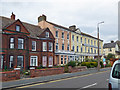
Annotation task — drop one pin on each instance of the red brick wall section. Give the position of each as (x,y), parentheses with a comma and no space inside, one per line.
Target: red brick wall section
(46,72)
(77,69)
(10,75)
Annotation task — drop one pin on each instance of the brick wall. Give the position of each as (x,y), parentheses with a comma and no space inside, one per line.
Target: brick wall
(46,72)
(77,69)
(9,75)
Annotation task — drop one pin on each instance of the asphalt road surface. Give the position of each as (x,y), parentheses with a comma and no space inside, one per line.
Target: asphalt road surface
(94,81)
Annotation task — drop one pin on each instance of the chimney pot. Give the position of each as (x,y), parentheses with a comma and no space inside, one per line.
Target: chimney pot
(112,41)
(42,18)
(13,16)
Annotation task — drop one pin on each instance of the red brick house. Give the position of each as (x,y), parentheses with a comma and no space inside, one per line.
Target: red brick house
(25,45)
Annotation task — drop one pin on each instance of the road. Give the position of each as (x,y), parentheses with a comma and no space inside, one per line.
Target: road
(94,80)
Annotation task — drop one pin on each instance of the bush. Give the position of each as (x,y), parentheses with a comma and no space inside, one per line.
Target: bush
(89,64)
(83,64)
(94,64)
(66,69)
(108,65)
(72,63)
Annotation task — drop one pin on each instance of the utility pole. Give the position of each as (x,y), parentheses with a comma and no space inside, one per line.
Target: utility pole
(98,45)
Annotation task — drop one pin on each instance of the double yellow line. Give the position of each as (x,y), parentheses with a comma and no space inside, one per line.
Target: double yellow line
(59,80)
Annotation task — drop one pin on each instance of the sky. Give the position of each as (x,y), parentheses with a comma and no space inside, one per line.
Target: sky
(85,14)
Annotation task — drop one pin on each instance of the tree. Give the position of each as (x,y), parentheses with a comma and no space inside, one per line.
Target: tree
(110,55)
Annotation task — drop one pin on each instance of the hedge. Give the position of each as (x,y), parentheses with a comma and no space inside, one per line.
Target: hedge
(89,64)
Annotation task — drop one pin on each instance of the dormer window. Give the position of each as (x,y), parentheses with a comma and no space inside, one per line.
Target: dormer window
(47,34)
(18,28)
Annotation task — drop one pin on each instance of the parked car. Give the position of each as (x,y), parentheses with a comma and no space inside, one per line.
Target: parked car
(114,80)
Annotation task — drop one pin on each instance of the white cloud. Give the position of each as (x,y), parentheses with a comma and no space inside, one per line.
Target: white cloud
(85,14)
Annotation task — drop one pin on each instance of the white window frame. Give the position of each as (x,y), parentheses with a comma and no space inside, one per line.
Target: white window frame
(34,45)
(77,38)
(50,46)
(62,35)
(62,59)
(22,44)
(44,46)
(68,36)
(72,37)
(2,60)
(50,61)
(68,47)
(17,27)
(35,61)
(63,46)
(65,59)
(11,61)
(22,61)
(57,46)
(56,34)
(47,34)
(12,42)
(44,59)
(77,48)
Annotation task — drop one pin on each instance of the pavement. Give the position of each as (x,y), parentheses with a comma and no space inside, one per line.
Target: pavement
(30,81)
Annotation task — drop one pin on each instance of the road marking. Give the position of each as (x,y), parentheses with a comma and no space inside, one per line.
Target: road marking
(60,80)
(89,85)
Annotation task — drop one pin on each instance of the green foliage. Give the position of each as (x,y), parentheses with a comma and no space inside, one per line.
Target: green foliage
(26,73)
(66,70)
(72,63)
(87,59)
(39,67)
(89,64)
(110,55)
(78,64)
(101,64)
(108,65)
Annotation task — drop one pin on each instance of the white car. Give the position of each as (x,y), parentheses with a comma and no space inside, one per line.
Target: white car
(114,81)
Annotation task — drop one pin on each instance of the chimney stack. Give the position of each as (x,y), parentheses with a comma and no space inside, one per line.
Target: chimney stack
(13,16)
(42,18)
(112,41)
(73,27)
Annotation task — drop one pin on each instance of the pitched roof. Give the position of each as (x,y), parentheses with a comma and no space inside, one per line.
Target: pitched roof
(72,30)
(34,30)
(109,45)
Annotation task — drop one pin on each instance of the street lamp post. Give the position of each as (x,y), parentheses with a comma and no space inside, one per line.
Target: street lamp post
(98,45)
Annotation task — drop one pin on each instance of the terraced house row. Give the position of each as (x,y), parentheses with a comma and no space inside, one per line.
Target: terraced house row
(71,43)
(47,44)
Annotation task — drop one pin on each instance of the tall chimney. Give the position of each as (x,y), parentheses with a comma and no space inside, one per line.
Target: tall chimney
(73,27)
(13,16)
(42,18)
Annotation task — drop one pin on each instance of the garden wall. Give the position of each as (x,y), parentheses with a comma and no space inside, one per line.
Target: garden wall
(9,75)
(46,72)
(77,69)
